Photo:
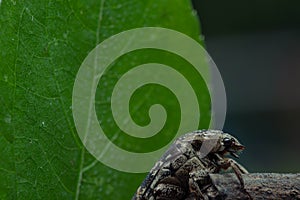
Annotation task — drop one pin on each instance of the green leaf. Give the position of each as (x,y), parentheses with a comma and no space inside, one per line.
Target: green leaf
(43,44)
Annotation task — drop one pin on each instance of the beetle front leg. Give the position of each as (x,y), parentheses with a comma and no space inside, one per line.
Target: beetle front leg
(236,167)
(239,166)
(238,170)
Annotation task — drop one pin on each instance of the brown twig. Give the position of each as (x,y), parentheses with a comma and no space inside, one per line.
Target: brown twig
(257,185)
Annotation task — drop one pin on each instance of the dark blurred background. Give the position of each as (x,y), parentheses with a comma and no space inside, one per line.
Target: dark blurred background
(256,46)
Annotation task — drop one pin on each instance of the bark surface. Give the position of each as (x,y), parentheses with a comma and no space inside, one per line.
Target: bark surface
(257,186)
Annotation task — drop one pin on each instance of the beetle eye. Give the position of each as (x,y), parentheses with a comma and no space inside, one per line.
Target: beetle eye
(227,142)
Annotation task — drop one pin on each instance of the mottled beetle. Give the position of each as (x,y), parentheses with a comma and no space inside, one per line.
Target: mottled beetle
(182,172)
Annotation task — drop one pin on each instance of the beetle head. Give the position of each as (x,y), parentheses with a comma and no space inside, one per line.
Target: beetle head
(204,142)
(229,144)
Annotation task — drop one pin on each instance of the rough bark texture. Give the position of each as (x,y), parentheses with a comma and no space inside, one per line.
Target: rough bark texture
(257,185)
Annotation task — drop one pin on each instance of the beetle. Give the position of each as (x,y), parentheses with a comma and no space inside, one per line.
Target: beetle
(183,171)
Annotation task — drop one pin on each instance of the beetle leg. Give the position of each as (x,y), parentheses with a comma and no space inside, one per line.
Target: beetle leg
(198,176)
(237,168)
(195,192)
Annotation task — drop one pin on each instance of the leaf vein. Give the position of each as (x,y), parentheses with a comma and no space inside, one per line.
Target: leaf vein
(78,185)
